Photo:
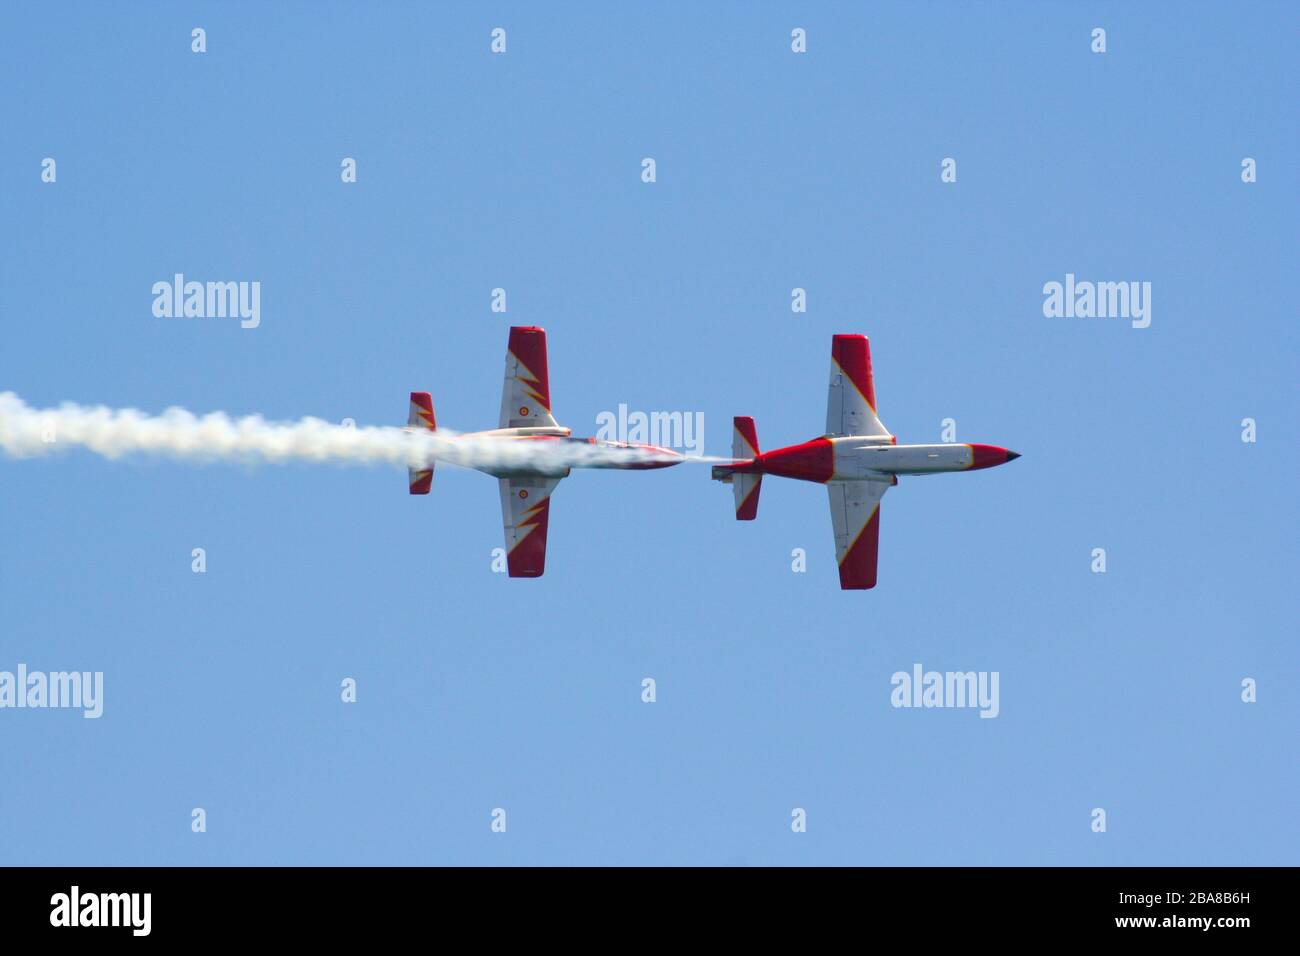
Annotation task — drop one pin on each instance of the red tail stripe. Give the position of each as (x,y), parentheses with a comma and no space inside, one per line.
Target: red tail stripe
(812,461)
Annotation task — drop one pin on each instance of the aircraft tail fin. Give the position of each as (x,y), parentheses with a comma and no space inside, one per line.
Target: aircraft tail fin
(745,486)
(421,416)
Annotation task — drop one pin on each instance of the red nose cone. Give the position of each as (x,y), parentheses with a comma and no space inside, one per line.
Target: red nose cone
(986,456)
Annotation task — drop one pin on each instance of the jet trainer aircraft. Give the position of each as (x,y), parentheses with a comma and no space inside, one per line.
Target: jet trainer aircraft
(526,416)
(858,460)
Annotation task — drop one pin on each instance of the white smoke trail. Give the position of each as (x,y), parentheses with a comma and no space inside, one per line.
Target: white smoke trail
(28,432)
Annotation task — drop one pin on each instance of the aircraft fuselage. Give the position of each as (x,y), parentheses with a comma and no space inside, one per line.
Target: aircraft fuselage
(865,458)
(627,456)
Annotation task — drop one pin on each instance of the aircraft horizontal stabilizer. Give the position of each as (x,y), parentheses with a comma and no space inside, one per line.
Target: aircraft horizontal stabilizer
(745,486)
(421,416)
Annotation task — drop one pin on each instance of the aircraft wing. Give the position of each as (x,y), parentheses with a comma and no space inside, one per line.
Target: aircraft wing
(525,510)
(855,516)
(526,394)
(851,401)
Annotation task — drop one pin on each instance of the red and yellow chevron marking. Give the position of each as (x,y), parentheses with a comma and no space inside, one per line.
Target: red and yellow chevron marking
(527,346)
(421,414)
(535,516)
(532,388)
(527,559)
(421,482)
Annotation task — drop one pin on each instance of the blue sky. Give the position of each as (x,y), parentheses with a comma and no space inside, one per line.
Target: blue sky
(774,170)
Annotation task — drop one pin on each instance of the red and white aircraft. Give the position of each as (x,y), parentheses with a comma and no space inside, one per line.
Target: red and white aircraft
(858,460)
(526,416)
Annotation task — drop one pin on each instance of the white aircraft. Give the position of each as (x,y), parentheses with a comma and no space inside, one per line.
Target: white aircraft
(526,416)
(858,460)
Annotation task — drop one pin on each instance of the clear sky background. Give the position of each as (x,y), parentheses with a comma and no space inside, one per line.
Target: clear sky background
(775,170)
